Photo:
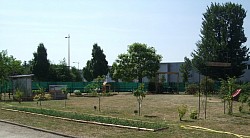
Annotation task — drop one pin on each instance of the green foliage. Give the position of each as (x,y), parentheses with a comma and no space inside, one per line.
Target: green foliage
(92,87)
(222,40)
(227,88)
(18,95)
(185,69)
(194,114)
(87,117)
(40,95)
(182,111)
(140,61)
(243,99)
(163,79)
(207,85)
(192,89)
(140,94)
(97,66)
(77,92)
(8,66)
(76,75)
(41,64)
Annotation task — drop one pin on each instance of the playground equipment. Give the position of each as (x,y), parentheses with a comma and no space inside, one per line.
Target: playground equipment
(236,94)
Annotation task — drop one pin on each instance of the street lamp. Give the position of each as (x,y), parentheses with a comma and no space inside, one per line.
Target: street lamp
(77,63)
(68,49)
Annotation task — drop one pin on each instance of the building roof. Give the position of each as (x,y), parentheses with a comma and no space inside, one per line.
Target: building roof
(22,76)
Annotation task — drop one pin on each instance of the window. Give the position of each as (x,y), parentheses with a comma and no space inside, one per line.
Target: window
(248,67)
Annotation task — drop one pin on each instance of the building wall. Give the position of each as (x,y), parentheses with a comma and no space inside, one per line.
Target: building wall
(194,75)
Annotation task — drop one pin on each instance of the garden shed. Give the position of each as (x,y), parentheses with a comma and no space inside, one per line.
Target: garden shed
(24,84)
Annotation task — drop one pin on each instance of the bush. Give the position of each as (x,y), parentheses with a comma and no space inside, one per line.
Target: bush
(192,89)
(182,111)
(18,96)
(194,114)
(77,92)
(207,85)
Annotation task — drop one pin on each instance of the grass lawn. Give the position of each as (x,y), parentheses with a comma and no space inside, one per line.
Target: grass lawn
(158,107)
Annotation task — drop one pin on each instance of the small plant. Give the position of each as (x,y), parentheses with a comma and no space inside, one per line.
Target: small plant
(182,111)
(77,92)
(39,95)
(194,114)
(243,99)
(18,96)
(192,89)
(248,103)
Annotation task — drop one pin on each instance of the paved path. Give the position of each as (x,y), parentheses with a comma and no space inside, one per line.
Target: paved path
(13,131)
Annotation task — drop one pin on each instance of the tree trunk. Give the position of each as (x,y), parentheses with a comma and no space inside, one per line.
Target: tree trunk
(139,108)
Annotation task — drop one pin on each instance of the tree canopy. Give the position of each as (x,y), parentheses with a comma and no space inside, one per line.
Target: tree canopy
(41,64)
(222,40)
(97,66)
(185,69)
(9,66)
(140,61)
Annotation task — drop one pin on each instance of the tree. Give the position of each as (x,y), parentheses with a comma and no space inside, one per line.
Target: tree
(222,39)
(97,66)
(140,94)
(9,66)
(76,74)
(88,71)
(227,88)
(140,61)
(41,63)
(185,69)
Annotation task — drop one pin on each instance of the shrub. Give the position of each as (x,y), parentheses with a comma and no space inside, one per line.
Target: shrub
(77,92)
(194,114)
(192,89)
(182,111)
(18,95)
(207,85)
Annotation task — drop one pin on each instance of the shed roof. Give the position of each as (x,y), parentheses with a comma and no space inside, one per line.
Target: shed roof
(22,76)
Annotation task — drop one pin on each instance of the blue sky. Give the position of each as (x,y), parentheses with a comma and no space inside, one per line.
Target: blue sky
(171,26)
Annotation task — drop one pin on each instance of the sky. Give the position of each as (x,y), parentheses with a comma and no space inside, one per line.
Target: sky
(172,27)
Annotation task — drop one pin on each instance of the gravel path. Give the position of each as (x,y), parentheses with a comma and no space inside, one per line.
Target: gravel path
(13,131)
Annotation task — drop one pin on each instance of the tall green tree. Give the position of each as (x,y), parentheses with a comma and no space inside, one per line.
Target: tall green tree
(140,61)
(41,64)
(97,66)
(100,64)
(185,69)
(88,71)
(222,40)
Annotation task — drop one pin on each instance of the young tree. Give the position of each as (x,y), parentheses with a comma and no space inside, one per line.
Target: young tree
(185,69)
(140,94)
(222,40)
(140,61)
(41,64)
(227,88)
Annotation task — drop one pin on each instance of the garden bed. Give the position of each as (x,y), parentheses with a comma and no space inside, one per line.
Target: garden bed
(99,120)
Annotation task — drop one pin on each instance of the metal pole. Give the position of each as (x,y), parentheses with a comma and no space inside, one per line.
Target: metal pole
(199,95)
(68,49)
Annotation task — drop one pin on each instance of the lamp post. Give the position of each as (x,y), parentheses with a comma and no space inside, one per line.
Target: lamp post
(68,50)
(77,64)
